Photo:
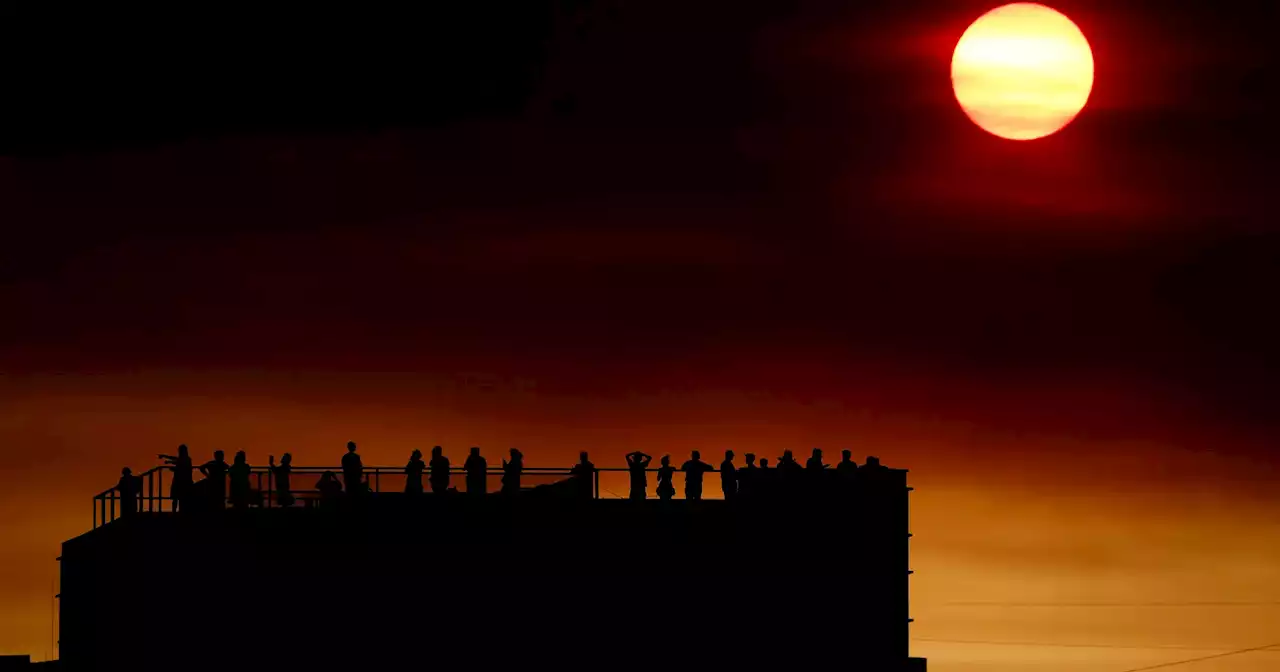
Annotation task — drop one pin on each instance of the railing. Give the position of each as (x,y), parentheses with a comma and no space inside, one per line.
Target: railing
(607,483)
(155,499)
(108,504)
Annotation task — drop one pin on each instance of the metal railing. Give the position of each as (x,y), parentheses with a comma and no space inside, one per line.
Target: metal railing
(108,504)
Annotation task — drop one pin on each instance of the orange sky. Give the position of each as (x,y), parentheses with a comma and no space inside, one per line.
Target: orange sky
(1018,520)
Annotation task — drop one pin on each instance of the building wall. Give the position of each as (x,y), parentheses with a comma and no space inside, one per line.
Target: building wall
(495,582)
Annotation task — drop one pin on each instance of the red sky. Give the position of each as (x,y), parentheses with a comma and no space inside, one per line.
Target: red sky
(776,231)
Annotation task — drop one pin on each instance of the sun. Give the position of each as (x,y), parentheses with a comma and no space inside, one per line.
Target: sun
(1022,71)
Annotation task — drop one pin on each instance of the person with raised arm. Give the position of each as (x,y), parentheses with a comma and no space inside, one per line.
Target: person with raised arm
(638,466)
(787,465)
(511,470)
(329,487)
(180,487)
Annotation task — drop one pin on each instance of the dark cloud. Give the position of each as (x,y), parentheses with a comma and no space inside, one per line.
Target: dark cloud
(644,179)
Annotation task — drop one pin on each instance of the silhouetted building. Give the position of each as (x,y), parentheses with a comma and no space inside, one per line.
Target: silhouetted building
(394,580)
(23,663)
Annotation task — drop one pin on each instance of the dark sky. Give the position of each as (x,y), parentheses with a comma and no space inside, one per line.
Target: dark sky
(622,184)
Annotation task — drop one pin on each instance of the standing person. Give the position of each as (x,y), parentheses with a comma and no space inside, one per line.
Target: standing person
(747,476)
(847,469)
(787,464)
(476,467)
(239,473)
(180,465)
(763,478)
(584,471)
(352,469)
(729,477)
(665,473)
(439,470)
(413,473)
(129,489)
(280,478)
(814,463)
(511,470)
(215,472)
(788,473)
(693,470)
(638,465)
(870,472)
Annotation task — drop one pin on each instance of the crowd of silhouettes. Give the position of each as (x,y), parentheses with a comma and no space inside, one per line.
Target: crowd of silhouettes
(231,483)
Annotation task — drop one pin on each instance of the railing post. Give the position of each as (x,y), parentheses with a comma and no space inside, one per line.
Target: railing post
(151,491)
(377,479)
(160,488)
(95,513)
(596,474)
(271,487)
(113,506)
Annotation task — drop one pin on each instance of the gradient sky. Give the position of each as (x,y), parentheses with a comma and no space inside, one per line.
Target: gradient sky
(650,225)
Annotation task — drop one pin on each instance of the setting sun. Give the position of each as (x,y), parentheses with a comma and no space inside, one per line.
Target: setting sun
(1022,71)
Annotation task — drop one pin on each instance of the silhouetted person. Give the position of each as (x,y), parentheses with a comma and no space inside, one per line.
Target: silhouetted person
(847,469)
(329,487)
(693,470)
(585,473)
(280,478)
(787,465)
(788,473)
(129,489)
(239,473)
(180,465)
(215,472)
(476,467)
(352,469)
(439,470)
(814,462)
(747,477)
(511,470)
(729,476)
(637,465)
(665,475)
(764,477)
(413,473)
(869,473)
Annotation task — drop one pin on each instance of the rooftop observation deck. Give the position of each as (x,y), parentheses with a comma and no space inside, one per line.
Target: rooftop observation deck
(384,481)
(809,570)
